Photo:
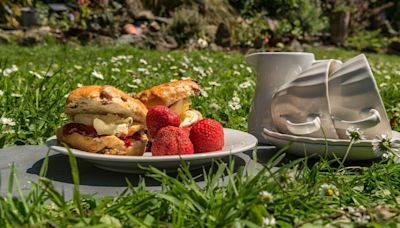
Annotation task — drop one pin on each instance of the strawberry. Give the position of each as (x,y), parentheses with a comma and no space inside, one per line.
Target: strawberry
(207,135)
(160,116)
(171,140)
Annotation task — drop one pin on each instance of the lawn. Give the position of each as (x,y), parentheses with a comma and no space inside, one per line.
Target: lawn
(35,81)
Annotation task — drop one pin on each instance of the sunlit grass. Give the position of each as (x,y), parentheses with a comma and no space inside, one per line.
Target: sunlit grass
(301,193)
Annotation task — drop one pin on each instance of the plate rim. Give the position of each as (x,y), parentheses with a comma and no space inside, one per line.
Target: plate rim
(147,159)
(321,141)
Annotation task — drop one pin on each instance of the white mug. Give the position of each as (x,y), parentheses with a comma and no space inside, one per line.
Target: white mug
(273,69)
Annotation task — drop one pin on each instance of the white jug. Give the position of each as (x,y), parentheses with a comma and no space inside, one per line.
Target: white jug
(273,69)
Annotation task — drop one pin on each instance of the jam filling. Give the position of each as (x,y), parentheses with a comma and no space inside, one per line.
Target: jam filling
(81,129)
(87,130)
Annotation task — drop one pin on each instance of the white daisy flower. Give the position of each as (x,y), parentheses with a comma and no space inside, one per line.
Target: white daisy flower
(7,121)
(234,105)
(203,93)
(355,134)
(97,75)
(266,197)
(245,84)
(78,67)
(186,78)
(79,85)
(143,70)
(186,59)
(328,190)
(249,69)
(36,74)
(16,95)
(269,221)
(132,86)
(173,68)
(236,99)
(142,61)
(137,81)
(9,71)
(214,106)
(213,83)
(383,145)
(115,70)
(236,72)
(1,93)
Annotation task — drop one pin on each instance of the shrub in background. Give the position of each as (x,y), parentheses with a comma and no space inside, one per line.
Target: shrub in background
(186,24)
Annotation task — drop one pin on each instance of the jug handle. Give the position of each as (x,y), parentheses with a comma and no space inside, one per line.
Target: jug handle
(368,122)
(304,128)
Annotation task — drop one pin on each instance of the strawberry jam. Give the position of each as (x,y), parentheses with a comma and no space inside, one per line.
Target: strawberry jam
(128,141)
(81,129)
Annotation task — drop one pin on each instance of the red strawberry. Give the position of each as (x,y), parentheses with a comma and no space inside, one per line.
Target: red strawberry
(171,141)
(160,116)
(207,135)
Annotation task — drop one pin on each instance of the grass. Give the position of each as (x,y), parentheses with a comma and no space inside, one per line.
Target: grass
(299,194)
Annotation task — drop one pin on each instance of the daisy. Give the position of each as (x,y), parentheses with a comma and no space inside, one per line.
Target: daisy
(97,75)
(245,85)
(115,70)
(186,78)
(16,95)
(7,121)
(269,221)
(355,134)
(77,67)
(137,81)
(36,74)
(214,106)
(383,145)
(234,104)
(328,190)
(79,85)
(236,72)
(10,70)
(203,93)
(266,197)
(142,61)
(249,69)
(213,83)
(1,93)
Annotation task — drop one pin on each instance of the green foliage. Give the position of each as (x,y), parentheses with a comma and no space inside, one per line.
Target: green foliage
(370,41)
(186,24)
(251,30)
(10,11)
(296,17)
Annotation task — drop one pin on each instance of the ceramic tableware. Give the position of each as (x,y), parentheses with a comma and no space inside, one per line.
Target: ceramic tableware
(235,142)
(330,148)
(273,69)
(355,100)
(301,107)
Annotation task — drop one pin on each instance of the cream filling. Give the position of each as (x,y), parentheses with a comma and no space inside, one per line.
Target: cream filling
(181,106)
(190,117)
(109,124)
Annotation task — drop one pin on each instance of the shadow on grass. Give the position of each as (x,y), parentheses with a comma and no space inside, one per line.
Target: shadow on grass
(59,170)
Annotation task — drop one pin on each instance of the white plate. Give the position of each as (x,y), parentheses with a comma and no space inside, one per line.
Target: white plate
(324,147)
(235,142)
